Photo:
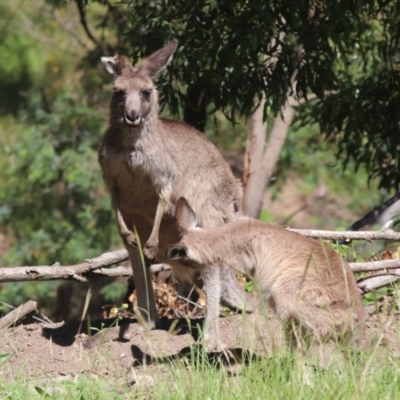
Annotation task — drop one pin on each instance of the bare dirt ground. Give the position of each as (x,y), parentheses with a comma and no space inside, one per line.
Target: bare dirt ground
(57,352)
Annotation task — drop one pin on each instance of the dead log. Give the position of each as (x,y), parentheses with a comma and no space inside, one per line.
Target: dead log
(18,314)
(70,272)
(57,271)
(384,234)
(378,281)
(374,265)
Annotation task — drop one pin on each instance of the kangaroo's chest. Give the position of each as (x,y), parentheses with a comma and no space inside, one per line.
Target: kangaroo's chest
(136,178)
(140,163)
(150,163)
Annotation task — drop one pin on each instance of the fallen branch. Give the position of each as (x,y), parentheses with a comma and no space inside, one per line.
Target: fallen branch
(97,267)
(18,314)
(378,281)
(20,274)
(374,265)
(384,234)
(124,271)
(74,272)
(115,272)
(57,271)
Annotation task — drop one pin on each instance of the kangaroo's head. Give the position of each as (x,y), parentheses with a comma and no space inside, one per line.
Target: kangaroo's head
(134,96)
(191,236)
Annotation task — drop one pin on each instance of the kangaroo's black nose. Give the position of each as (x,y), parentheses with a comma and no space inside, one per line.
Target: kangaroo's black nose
(177,252)
(132,118)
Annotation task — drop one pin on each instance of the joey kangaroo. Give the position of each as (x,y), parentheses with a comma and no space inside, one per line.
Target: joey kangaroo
(306,283)
(148,163)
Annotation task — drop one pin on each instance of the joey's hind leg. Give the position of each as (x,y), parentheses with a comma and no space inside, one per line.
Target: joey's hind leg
(232,295)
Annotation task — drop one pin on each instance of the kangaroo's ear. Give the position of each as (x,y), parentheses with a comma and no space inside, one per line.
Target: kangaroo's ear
(117,65)
(185,216)
(156,62)
(177,252)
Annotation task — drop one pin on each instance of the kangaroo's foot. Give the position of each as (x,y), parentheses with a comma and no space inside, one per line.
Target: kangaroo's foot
(150,250)
(214,345)
(129,238)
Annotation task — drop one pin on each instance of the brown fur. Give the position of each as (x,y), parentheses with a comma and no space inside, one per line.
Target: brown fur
(148,163)
(308,285)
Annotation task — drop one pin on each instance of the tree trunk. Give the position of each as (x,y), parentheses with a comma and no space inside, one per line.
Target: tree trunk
(252,177)
(260,163)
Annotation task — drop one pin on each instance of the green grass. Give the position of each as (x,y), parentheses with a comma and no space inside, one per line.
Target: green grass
(280,377)
(79,389)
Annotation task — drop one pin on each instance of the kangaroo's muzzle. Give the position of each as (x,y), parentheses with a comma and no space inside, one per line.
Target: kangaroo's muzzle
(177,252)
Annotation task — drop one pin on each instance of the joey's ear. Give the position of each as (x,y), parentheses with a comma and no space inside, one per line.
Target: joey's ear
(157,61)
(185,216)
(177,252)
(116,65)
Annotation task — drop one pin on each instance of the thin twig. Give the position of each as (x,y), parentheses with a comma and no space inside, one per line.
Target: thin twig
(82,15)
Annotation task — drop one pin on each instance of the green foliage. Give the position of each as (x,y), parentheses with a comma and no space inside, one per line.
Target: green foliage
(249,286)
(266,216)
(374,297)
(4,357)
(232,52)
(17,293)
(113,292)
(29,57)
(362,119)
(53,200)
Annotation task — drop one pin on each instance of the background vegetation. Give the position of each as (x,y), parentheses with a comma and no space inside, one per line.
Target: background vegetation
(54,95)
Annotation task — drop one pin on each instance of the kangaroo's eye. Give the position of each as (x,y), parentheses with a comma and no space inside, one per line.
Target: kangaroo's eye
(145,94)
(119,92)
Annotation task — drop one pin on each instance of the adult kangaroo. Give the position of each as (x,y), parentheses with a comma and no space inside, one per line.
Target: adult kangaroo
(308,285)
(148,163)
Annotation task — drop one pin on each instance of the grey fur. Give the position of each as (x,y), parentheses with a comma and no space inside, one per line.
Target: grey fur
(148,163)
(309,286)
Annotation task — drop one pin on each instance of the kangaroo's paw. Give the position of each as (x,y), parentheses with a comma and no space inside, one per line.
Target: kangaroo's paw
(129,238)
(150,250)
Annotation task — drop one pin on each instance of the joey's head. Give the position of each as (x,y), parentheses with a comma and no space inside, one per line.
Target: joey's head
(135,97)
(191,236)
